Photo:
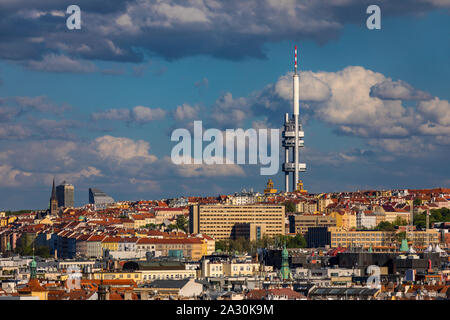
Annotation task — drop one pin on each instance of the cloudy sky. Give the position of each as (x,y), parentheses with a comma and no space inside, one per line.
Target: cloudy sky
(96,106)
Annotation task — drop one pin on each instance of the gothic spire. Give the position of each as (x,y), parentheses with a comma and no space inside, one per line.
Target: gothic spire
(53,191)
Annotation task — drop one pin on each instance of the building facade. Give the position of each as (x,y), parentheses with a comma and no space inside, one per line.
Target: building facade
(301,223)
(65,193)
(222,221)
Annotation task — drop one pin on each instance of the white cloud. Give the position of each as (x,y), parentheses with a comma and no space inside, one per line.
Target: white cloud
(10,177)
(144,114)
(138,114)
(82,174)
(122,149)
(437,110)
(208,170)
(231,112)
(311,87)
(186,112)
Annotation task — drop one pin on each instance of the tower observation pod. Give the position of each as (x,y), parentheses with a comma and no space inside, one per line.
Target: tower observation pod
(293,137)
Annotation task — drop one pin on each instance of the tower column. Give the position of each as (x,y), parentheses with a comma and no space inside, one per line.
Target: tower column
(296,103)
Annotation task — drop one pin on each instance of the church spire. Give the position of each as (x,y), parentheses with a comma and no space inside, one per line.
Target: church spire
(53,191)
(53,201)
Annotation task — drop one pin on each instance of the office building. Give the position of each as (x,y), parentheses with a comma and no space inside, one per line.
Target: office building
(99,198)
(300,223)
(223,222)
(65,195)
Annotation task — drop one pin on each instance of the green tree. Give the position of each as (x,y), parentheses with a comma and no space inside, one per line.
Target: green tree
(399,222)
(171,227)
(417,202)
(182,223)
(222,245)
(151,226)
(290,206)
(400,236)
(436,215)
(15,213)
(385,226)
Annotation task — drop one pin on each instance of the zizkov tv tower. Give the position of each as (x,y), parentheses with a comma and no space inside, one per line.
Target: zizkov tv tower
(293,137)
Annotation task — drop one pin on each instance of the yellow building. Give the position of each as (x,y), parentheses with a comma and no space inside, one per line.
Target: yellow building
(111,243)
(241,269)
(301,222)
(160,274)
(366,239)
(269,188)
(119,275)
(219,221)
(300,187)
(345,220)
(5,221)
(423,238)
(191,247)
(393,216)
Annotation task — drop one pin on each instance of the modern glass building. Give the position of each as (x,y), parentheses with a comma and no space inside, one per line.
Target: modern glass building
(99,198)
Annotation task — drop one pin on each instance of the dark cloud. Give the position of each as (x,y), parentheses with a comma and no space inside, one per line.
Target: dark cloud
(40,104)
(397,90)
(130,30)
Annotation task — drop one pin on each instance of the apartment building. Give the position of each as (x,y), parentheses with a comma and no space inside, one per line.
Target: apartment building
(300,223)
(189,247)
(343,238)
(224,222)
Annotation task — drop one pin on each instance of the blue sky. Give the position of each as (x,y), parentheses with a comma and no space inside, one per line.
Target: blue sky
(68,112)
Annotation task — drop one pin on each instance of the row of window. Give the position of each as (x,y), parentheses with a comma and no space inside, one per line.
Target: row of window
(167,276)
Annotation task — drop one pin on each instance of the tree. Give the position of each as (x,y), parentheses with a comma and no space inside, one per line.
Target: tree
(399,222)
(417,202)
(182,223)
(171,227)
(290,206)
(222,245)
(15,213)
(385,226)
(436,215)
(400,236)
(151,226)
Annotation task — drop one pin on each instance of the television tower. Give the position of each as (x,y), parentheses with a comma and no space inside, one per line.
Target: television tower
(293,136)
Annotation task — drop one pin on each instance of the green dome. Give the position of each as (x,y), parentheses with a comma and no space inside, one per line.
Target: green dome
(33,263)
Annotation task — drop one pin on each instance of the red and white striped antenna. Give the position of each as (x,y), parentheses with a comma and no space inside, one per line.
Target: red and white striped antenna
(295,59)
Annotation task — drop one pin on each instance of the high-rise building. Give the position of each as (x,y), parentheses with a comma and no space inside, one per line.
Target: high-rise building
(65,195)
(99,198)
(224,222)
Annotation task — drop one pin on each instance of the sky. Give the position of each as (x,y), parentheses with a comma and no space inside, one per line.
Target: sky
(96,107)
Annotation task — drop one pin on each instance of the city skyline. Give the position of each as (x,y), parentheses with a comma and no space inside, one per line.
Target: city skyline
(374,104)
